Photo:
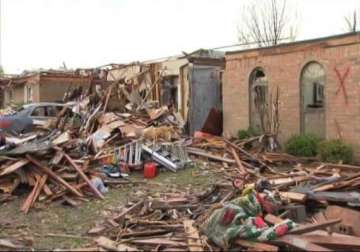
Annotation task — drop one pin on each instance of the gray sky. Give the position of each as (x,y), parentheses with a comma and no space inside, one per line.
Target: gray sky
(89,33)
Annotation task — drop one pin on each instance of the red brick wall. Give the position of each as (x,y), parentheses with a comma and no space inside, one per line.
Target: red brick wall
(283,66)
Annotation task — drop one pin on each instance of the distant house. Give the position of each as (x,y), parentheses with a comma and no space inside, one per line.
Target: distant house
(43,86)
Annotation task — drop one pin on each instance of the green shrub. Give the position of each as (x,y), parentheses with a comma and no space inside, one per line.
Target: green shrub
(250,132)
(334,151)
(302,145)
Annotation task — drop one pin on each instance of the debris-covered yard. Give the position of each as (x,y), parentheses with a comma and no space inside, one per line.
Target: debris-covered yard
(65,227)
(127,178)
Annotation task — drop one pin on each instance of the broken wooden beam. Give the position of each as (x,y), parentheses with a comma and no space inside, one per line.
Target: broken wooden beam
(246,153)
(128,210)
(293,196)
(312,227)
(193,237)
(241,169)
(210,156)
(343,242)
(82,174)
(256,246)
(13,167)
(298,242)
(53,175)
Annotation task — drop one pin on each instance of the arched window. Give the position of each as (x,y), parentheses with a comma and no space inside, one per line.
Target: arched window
(258,97)
(313,99)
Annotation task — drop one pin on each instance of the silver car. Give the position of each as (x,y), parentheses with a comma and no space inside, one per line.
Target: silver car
(42,111)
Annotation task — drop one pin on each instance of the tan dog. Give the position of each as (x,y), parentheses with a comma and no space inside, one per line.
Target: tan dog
(164,132)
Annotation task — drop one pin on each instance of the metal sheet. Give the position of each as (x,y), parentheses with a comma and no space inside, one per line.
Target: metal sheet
(205,94)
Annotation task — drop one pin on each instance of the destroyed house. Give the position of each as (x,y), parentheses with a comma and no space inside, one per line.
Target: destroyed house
(44,86)
(318,82)
(190,84)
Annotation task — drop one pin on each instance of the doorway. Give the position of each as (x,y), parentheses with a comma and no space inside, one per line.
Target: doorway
(258,97)
(312,96)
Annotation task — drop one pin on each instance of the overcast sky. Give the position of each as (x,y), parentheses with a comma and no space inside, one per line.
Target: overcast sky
(90,33)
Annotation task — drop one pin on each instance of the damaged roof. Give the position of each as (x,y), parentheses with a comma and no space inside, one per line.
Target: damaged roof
(284,45)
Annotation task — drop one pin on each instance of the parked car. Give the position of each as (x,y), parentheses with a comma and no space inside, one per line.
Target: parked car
(42,111)
(29,115)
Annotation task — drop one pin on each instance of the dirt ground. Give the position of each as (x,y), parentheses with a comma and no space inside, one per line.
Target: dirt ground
(45,223)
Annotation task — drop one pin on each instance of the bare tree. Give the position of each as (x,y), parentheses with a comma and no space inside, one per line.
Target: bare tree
(267,22)
(352,22)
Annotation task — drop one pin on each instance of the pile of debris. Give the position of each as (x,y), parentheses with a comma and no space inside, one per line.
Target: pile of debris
(67,158)
(260,207)
(161,223)
(269,201)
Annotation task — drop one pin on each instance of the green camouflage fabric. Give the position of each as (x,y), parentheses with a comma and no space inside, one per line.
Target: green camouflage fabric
(236,220)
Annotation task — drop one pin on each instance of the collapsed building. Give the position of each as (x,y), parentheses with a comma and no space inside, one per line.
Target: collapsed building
(189,84)
(318,82)
(47,86)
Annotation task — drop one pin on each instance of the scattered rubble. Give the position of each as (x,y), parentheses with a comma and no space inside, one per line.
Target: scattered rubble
(271,200)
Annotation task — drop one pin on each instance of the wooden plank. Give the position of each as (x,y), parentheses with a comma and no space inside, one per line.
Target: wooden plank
(11,245)
(350,242)
(27,203)
(256,246)
(13,167)
(47,190)
(108,98)
(272,219)
(145,233)
(53,175)
(106,243)
(57,158)
(312,227)
(349,219)
(112,245)
(292,196)
(82,174)
(210,156)
(38,190)
(193,237)
(92,249)
(128,210)
(242,169)
(246,153)
(160,241)
(70,201)
(300,243)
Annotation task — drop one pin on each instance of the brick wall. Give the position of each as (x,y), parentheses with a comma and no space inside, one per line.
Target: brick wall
(283,66)
(52,89)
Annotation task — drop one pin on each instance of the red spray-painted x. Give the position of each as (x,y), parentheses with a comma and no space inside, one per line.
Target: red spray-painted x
(342,82)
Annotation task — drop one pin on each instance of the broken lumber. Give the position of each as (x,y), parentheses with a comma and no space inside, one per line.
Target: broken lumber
(53,175)
(293,196)
(193,237)
(128,210)
(343,242)
(256,246)
(312,227)
(242,169)
(210,156)
(82,174)
(108,244)
(300,243)
(27,203)
(13,167)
